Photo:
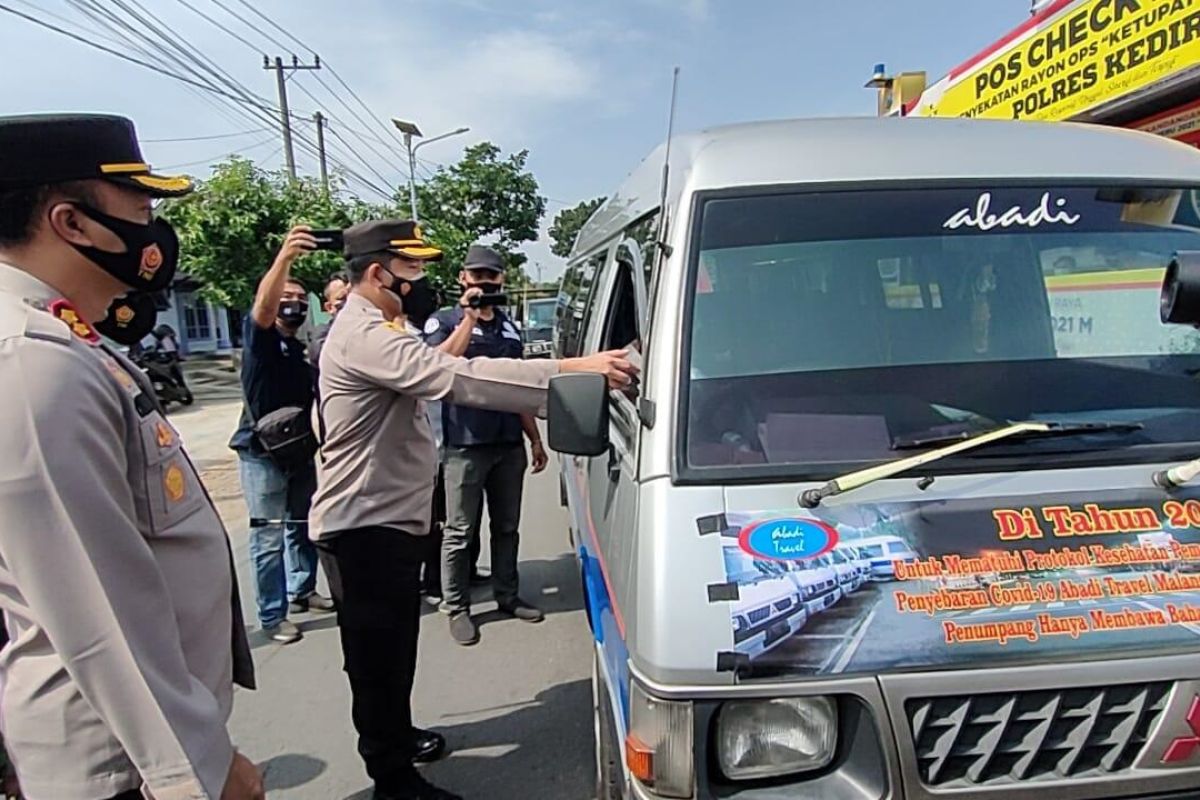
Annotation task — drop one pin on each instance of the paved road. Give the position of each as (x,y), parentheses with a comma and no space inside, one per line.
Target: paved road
(516,708)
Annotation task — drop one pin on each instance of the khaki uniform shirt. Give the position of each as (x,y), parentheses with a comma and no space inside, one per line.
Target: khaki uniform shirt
(115,573)
(378,459)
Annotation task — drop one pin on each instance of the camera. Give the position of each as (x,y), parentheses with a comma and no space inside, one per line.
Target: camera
(488,299)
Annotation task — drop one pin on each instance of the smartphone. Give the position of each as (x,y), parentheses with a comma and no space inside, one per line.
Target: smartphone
(328,239)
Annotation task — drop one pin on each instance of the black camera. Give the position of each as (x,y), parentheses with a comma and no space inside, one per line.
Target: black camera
(488,299)
(1180,299)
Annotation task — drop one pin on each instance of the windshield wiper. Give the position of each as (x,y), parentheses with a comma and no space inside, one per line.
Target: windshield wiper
(920,441)
(856,480)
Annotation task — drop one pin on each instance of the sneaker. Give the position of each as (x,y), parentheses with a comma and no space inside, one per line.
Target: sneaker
(521,610)
(428,746)
(444,607)
(462,628)
(414,787)
(314,602)
(433,600)
(284,633)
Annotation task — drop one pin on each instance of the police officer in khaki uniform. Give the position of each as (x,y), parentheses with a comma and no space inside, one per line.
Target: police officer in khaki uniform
(116,579)
(375,477)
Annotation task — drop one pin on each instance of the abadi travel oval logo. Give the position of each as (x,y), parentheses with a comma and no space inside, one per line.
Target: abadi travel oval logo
(788,539)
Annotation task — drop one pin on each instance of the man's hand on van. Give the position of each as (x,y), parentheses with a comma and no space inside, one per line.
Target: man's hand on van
(612,364)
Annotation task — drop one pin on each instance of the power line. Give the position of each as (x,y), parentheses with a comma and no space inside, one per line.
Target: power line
(220,156)
(219,25)
(391,131)
(244,101)
(204,138)
(110,51)
(277,27)
(252,27)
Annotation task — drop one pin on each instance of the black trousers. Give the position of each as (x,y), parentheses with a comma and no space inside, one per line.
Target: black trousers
(375,578)
(431,577)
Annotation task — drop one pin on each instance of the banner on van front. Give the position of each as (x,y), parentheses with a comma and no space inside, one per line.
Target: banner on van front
(1086,54)
(856,588)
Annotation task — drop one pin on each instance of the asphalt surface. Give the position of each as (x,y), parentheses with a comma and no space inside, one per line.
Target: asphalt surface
(516,708)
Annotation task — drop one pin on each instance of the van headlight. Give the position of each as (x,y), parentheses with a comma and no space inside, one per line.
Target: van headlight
(769,738)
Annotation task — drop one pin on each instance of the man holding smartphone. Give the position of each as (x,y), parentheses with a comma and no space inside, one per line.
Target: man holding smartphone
(484,450)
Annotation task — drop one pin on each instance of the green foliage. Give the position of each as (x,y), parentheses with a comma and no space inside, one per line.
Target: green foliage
(485,196)
(567,224)
(231,227)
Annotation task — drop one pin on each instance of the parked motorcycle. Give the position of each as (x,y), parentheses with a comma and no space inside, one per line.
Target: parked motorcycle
(164,372)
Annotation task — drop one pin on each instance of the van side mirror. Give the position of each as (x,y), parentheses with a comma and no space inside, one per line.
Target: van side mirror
(577,414)
(1180,299)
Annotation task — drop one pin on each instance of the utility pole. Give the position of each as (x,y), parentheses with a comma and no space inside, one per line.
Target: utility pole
(285,117)
(319,118)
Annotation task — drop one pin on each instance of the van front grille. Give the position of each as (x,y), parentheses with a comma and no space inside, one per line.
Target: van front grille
(1010,737)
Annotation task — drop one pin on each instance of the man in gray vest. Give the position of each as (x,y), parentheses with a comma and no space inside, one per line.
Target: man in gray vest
(116,578)
(375,478)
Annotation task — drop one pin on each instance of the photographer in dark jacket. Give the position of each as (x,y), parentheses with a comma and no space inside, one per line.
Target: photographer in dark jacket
(484,450)
(275,375)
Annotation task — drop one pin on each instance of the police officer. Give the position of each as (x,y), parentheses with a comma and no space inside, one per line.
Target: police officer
(376,475)
(484,451)
(116,578)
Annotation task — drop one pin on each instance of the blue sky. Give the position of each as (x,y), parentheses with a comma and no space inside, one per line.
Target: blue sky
(583,86)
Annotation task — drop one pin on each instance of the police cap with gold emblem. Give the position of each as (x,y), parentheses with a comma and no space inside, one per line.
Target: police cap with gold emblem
(39,149)
(400,236)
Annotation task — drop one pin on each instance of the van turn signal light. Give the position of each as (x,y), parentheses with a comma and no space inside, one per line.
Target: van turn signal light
(639,757)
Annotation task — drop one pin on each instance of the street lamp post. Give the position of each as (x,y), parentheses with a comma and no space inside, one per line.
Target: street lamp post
(410,130)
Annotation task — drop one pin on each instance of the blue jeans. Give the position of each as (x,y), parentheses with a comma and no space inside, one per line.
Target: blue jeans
(281,573)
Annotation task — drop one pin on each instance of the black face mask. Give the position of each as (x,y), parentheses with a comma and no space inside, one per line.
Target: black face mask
(151,251)
(292,313)
(130,318)
(419,303)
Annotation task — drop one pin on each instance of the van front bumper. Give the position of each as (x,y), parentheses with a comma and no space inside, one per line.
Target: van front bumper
(1071,731)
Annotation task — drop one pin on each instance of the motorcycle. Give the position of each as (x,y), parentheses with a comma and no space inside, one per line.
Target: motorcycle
(164,373)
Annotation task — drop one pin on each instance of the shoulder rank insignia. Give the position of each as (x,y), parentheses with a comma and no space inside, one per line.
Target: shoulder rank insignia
(392,325)
(66,312)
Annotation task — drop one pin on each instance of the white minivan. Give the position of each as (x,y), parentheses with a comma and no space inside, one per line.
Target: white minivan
(942,335)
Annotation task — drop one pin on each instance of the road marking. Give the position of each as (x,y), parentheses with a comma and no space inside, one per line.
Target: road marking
(852,647)
(1188,625)
(821,636)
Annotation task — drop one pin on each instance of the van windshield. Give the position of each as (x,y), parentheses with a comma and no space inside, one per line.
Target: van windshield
(826,327)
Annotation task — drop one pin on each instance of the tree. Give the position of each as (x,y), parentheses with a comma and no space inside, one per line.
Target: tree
(484,197)
(568,223)
(231,226)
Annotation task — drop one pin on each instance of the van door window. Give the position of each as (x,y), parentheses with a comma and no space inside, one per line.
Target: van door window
(621,332)
(575,295)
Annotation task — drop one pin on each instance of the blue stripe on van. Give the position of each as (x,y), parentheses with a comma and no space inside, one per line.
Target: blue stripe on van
(604,629)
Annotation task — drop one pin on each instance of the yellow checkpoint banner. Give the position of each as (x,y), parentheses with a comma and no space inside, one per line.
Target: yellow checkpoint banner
(1088,54)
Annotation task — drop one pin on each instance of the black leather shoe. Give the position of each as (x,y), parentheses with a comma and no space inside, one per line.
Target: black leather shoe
(523,611)
(427,746)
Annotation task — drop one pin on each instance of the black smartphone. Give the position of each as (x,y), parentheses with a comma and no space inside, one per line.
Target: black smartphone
(489,299)
(328,239)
